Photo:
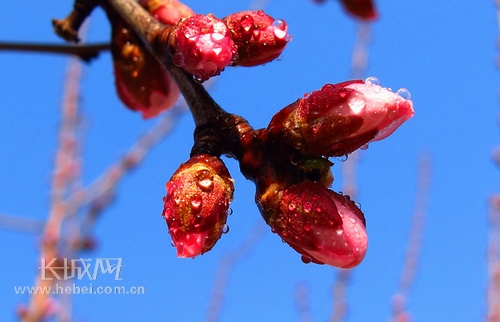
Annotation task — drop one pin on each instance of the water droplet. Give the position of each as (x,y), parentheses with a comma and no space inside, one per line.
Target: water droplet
(291,207)
(278,33)
(260,12)
(404,93)
(344,158)
(196,202)
(352,220)
(372,81)
(205,180)
(279,23)
(356,102)
(225,229)
(177,199)
(364,146)
(339,231)
(357,204)
(256,34)
(307,226)
(342,93)
(172,243)
(306,95)
(229,211)
(288,38)
(307,206)
(246,22)
(305,260)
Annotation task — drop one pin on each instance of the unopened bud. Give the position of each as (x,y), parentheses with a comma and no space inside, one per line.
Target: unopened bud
(197,204)
(202,46)
(259,37)
(339,119)
(324,226)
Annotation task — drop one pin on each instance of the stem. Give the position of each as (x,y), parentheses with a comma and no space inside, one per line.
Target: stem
(155,36)
(84,52)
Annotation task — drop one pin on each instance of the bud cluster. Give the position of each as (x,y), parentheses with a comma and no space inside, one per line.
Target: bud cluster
(204,45)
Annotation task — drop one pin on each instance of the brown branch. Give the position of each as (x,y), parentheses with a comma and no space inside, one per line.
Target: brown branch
(84,52)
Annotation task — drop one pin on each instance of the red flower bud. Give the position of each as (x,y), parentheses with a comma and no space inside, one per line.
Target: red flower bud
(168,12)
(197,204)
(362,9)
(259,37)
(324,226)
(338,119)
(142,83)
(202,46)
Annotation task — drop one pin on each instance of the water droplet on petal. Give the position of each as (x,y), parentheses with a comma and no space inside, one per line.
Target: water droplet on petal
(260,12)
(279,23)
(342,93)
(364,146)
(205,180)
(291,207)
(288,38)
(246,22)
(225,229)
(307,206)
(305,260)
(307,226)
(229,211)
(356,102)
(404,93)
(278,33)
(256,34)
(372,81)
(306,95)
(196,202)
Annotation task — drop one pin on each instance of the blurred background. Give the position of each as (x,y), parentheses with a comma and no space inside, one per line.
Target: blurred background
(442,52)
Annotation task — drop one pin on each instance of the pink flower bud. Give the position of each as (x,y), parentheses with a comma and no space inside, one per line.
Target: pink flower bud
(362,9)
(142,83)
(259,37)
(168,12)
(324,226)
(338,119)
(202,46)
(197,204)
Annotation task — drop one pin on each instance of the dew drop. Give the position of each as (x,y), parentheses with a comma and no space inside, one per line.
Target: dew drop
(306,95)
(307,206)
(356,102)
(305,260)
(342,93)
(344,158)
(256,34)
(404,93)
(196,202)
(372,81)
(288,38)
(225,229)
(364,146)
(279,23)
(246,22)
(307,226)
(291,207)
(229,211)
(280,34)
(260,12)
(172,243)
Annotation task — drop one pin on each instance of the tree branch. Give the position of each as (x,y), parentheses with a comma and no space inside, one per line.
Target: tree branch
(84,52)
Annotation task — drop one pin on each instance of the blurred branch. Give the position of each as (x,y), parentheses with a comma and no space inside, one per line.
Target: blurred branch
(227,265)
(302,302)
(399,313)
(494,260)
(21,224)
(84,52)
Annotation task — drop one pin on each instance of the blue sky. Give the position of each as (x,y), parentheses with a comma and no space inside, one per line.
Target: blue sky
(443,52)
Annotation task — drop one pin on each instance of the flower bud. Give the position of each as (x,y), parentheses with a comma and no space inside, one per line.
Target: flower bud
(362,9)
(142,83)
(324,226)
(338,119)
(197,203)
(168,12)
(259,37)
(202,46)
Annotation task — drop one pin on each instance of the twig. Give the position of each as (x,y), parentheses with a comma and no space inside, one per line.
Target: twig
(302,302)
(84,52)
(226,266)
(21,224)
(399,313)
